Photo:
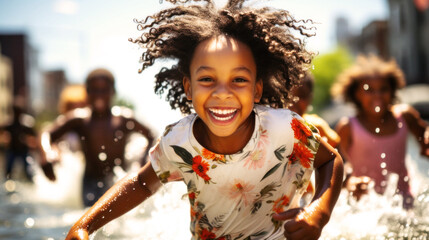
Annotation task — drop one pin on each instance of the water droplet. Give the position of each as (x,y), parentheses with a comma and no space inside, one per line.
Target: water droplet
(15,198)
(383,165)
(116,111)
(29,222)
(384,173)
(90,196)
(10,185)
(117,161)
(102,156)
(110,210)
(119,134)
(100,184)
(377,130)
(365,87)
(406,178)
(130,125)
(103,147)
(383,155)
(144,184)
(115,139)
(134,189)
(400,125)
(377,109)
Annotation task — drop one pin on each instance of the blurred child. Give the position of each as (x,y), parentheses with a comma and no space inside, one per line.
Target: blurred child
(103,132)
(374,141)
(72,97)
(303,96)
(20,138)
(245,164)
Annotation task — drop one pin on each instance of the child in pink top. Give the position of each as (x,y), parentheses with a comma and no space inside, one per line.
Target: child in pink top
(374,141)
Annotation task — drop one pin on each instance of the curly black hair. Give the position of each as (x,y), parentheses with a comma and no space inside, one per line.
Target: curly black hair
(174,33)
(367,67)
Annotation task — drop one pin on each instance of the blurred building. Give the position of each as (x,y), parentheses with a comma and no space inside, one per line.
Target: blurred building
(6,88)
(24,62)
(54,82)
(404,36)
(409,38)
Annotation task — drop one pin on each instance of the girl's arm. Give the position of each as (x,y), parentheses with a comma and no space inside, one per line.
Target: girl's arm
(417,126)
(119,199)
(308,222)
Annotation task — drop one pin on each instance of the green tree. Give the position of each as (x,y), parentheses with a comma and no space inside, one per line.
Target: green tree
(326,68)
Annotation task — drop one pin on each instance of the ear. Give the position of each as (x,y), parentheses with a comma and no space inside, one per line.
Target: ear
(259,87)
(187,87)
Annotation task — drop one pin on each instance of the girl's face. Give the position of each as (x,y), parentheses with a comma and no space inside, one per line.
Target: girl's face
(223,85)
(374,96)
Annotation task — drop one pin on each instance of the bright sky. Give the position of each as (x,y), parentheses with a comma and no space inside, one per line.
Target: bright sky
(78,35)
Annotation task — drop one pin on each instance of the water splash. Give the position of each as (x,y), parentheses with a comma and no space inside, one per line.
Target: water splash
(33,211)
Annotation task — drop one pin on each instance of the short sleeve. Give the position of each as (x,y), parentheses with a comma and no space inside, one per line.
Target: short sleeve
(306,142)
(162,165)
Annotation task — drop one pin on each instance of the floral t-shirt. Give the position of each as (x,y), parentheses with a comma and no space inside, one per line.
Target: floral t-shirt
(234,196)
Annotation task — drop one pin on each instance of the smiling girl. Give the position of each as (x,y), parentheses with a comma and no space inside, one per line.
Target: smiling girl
(244,158)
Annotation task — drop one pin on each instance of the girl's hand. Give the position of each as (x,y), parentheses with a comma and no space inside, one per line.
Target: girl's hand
(302,223)
(358,186)
(77,234)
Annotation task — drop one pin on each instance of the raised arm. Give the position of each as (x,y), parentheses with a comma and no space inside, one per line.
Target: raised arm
(308,222)
(48,138)
(119,199)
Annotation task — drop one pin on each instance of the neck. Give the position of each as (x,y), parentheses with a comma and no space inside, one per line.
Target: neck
(375,118)
(225,145)
(102,114)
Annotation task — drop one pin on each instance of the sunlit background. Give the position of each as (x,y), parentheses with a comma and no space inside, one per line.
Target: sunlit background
(48,44)
(68,38)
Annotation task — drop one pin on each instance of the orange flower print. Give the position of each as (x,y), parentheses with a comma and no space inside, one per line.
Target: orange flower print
(200,167)
(207,235)
(191,195)
(300,131)
(240,190)
(280,204)
(207,154)
(301,153)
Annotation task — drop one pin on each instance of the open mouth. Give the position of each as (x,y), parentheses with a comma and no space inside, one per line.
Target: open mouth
(222,114)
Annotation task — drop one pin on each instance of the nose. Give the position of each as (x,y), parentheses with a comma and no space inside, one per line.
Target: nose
(222,91)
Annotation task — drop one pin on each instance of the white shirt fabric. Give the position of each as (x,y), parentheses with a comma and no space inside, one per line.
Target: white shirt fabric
(234,196)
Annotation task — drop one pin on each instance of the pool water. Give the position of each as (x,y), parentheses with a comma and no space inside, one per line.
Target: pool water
(46,210)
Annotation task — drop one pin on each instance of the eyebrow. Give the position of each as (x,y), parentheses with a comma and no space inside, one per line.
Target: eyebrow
(241,68)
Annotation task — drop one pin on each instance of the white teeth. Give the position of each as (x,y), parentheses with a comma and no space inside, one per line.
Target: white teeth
(222,118)
(226,114)
(222,111)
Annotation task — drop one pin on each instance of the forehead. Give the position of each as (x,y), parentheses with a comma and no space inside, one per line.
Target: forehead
(375,81)
(225,48)
(99,82)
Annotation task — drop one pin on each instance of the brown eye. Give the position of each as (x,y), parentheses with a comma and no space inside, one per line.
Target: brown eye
(240,80)
(205,79)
